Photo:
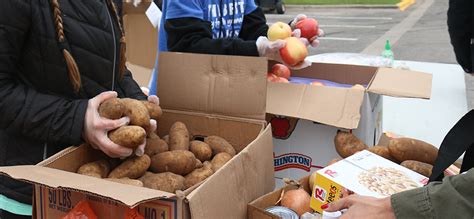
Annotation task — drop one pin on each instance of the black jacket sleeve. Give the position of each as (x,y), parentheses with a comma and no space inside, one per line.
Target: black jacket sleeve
(131,87)
(24,110)
(254,25)
(461,28)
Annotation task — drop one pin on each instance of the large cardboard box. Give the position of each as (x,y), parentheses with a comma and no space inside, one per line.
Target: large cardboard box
(213,95)
(305,118)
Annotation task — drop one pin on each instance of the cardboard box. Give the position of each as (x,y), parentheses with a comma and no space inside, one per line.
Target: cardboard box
(212,95)
(256,208)
(363,173)
(305,118)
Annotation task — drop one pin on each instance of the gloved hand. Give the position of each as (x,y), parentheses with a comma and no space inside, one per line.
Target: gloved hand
(313,42)
(96,128)
(271,50)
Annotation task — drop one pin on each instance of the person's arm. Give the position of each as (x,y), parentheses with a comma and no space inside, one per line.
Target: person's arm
(24,110)
(453,198)
(195,35)
(254,25)
(460,27)
(131,87)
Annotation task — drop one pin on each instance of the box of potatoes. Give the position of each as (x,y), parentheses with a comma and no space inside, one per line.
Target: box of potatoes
(210,156)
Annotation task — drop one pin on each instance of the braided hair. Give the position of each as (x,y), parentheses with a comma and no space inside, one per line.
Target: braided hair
(73,69)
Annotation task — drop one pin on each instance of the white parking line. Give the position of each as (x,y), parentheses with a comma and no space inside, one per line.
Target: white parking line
(338,38)
(354,18)
(346,26)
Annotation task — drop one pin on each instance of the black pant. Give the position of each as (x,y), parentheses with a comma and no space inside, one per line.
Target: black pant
(8,215)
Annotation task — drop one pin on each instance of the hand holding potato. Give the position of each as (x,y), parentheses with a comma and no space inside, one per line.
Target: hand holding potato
(95,127)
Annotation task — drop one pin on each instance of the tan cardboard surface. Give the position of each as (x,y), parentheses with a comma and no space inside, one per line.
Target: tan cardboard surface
(248,176)
(329,105)
(401,83)
(215,84)
(128,195)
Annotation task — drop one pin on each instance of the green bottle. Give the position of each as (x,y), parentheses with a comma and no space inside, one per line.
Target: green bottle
(388,53)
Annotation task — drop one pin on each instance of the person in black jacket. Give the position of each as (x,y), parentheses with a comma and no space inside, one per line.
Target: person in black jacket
(461,32)
(57,64)
(225,27)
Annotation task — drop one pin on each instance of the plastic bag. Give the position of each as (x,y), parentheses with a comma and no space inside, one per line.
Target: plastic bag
(352,59)
(81,211)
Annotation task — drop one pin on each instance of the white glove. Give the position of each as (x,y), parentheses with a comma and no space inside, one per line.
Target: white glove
(313,42)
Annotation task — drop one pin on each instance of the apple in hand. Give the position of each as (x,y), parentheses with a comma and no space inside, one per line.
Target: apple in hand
(294,51)
(309,28)
(281,71)
(279,30)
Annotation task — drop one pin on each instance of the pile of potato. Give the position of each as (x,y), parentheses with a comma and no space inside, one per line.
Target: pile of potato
(413,154)
(174,162)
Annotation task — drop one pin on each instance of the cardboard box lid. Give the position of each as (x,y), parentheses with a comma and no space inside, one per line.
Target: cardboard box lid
(233,86)
(401,83)
(54,178)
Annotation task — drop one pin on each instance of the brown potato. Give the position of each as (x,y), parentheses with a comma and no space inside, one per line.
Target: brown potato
(411,149)
(201,150)
(98,169)
(112,109)
(382,151)
(132,167)
(219,145)
(137,112)
(130,136)
(348,144)
(198,164)
(179,137)
(168,182)
(419,167)
(154,145)
(197,176)
(219,160)
(180,162)
(126,181)
(154,110)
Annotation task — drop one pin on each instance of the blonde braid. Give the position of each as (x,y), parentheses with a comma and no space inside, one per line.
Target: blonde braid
(123,44)
(74,74)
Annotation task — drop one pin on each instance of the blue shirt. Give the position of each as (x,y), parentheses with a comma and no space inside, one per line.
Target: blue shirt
(226,17)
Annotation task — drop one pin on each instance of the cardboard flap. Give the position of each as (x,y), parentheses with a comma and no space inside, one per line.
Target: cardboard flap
(338,107)
(53,178)
(213,84)
(401,83)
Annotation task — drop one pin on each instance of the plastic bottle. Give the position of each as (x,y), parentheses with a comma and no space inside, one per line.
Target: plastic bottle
(388,53)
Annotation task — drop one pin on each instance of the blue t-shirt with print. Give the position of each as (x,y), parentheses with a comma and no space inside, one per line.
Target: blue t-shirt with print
(226,17)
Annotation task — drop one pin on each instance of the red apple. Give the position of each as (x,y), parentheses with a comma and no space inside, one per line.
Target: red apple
(294,51)
(279,30)
(271,77)
(281,71)
(281,80)
(317,83)
(309,28)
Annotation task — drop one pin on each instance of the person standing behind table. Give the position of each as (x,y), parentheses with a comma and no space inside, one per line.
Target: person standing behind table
(198,26)
(58,59)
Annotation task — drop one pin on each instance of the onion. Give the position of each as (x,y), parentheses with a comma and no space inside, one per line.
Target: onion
(297,200)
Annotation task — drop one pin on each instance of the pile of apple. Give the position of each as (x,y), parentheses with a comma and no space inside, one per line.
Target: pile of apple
(279,73)
(294,51)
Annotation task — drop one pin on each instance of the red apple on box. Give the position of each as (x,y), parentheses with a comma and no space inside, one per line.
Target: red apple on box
(294,51)
(309,28)
(281,80)
(281,71)
(279,31)
(271,77)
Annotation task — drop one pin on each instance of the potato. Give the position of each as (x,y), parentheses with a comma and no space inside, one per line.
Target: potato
(126,181)
(198,164)
(382,151)
(219,160)
(419,167)
(219,145)
(197,176)
(154,145)
(179,137)
(132,167)
(112,109)
(180,162)
(154,110)
(348,144)
(137,112)
(168,182)
(201,150)
(411,149)
(98,169)
(166,138)
(130,136)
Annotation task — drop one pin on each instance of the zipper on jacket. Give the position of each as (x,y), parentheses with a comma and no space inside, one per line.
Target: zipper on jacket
(115,45)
